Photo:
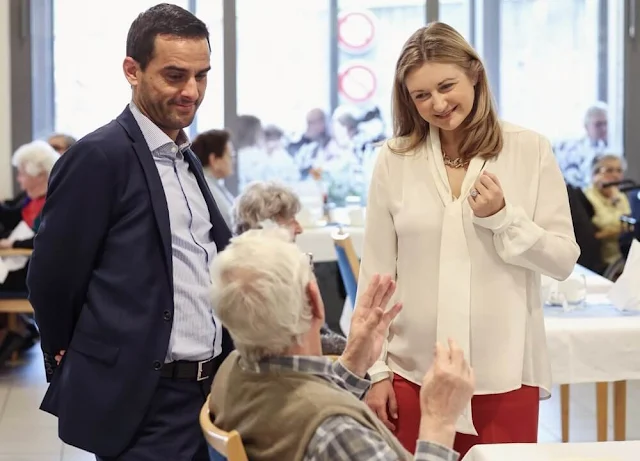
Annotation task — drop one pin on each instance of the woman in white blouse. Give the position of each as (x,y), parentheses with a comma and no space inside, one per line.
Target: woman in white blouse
(467,211)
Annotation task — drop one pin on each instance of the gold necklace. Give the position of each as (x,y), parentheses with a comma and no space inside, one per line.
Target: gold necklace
(454,162)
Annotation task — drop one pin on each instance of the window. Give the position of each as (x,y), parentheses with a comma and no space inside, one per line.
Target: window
(283,60)
(551,72)
(370,38)
(457,13)
(211,111)
(90,88)
(283,51)
(285,70)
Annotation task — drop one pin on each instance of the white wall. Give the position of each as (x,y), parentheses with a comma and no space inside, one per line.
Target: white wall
(5,103)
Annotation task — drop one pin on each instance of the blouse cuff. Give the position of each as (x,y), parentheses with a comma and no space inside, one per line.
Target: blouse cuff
(379,371)
(498,222)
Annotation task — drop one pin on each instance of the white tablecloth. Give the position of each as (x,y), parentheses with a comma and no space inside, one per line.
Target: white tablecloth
(592,345)
(318,241)
(603,451)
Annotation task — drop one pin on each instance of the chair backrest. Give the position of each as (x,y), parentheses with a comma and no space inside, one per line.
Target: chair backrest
(228,444)
(348,262)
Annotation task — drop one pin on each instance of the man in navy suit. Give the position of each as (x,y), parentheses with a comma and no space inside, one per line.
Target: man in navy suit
(119,278)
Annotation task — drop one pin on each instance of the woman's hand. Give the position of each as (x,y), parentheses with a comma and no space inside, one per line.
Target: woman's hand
(609,232)
(6,244)
(486,197)
(381,398)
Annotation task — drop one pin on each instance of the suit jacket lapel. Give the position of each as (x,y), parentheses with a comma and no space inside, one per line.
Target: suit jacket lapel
(156,191)
(158,201)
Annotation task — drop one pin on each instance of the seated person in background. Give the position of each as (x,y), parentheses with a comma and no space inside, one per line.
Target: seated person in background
(585,231)
(289,403)
(33,162)
(20,222)
(215,152)
(609,204)
(61,142)
(269,204)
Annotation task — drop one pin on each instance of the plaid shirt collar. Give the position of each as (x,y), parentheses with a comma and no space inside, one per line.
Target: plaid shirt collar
(320,366)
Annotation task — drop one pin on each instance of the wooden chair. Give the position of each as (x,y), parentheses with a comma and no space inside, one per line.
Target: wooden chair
(228,444)
(348,262)
(9,252)
(14,306)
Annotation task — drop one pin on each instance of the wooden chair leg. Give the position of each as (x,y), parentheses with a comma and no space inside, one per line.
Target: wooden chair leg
(564,411)
(12,323)
(620,410)
(602,409)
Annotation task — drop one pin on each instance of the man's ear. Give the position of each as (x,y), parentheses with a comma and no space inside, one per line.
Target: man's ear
(131,70)
(315,300)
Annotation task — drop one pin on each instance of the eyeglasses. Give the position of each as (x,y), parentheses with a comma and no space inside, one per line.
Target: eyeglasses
(610,170)
(310,256)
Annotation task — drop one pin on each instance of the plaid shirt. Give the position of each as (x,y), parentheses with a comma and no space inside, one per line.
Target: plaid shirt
(341,438)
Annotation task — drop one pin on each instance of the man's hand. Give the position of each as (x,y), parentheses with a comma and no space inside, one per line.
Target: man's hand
(446,390)
(59,356)
(486,197)
(369,325)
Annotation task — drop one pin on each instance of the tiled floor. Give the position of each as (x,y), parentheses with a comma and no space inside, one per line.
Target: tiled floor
(27,434)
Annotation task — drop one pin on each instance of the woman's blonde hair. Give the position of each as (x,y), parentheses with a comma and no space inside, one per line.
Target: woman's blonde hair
(439,42)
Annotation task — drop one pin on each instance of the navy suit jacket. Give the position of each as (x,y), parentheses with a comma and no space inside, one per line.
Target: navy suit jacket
(101,284)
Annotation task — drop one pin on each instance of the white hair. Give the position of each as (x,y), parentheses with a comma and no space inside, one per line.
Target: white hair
(35,158)
(264,201)
(598,107)
(260,292)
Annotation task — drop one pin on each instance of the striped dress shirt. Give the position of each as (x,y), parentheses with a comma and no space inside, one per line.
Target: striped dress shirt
(196,334)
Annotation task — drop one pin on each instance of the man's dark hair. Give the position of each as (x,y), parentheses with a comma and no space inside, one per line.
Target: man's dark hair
(162,19)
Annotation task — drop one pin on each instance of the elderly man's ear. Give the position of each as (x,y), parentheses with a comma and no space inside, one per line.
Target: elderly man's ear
(315,301)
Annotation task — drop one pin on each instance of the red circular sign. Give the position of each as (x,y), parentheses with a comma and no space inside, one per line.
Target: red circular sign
(357,82)
(356,30)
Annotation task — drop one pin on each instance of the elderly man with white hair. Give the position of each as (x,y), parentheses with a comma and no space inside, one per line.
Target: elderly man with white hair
(285,399)
(19,221)
(576,155)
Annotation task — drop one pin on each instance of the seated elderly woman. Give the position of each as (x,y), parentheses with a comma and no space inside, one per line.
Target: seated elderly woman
(273,204)
(609,204)
(19,222)
(285,399)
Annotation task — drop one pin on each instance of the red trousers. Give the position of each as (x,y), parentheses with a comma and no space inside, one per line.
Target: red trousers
(499,418)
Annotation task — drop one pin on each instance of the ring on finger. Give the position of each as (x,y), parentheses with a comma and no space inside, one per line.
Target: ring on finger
(474,193)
